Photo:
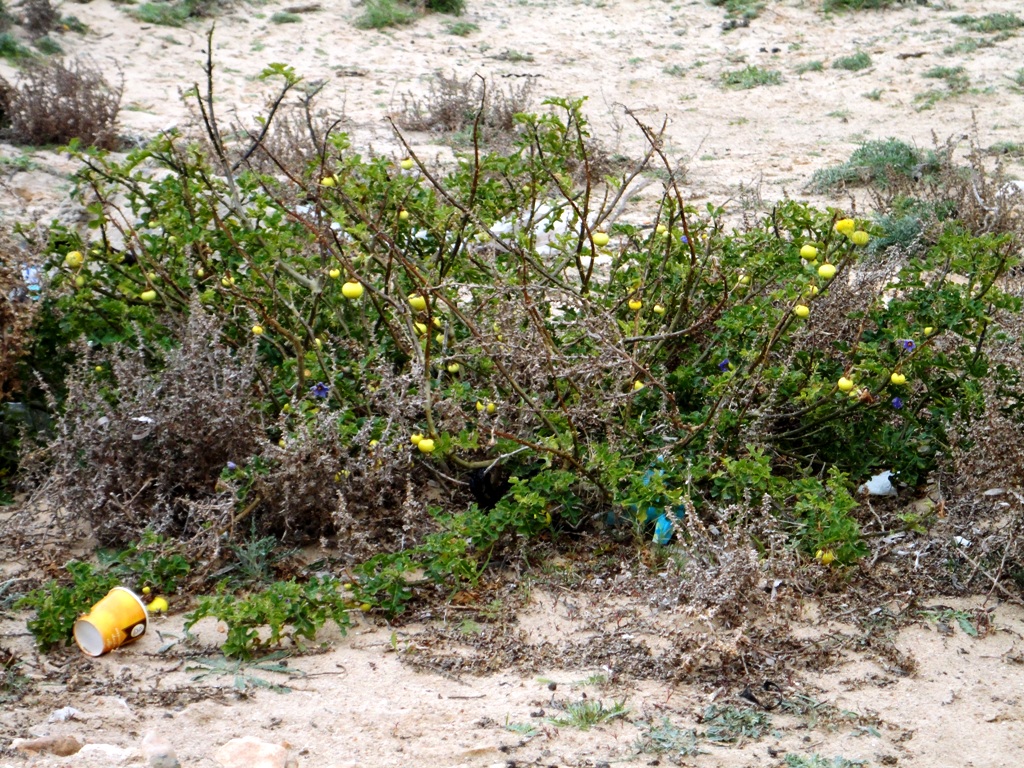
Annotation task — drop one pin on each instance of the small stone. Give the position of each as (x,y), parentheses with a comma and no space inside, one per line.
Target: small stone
(250,752)
(105,755)
(158,751)
(62,746)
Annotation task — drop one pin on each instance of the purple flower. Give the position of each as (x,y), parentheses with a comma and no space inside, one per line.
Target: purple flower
(897,403)
(724,365)
(908,345)
(682,239)
(232,466)
(320,390)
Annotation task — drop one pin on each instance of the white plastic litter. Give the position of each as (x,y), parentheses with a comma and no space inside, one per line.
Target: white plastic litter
(879,485)
(63,714)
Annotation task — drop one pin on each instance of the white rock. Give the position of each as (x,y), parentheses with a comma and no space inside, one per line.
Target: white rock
(105,755)
(62,714)
(250,752)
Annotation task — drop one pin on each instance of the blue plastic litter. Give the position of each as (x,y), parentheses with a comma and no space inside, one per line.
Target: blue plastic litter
(663,530)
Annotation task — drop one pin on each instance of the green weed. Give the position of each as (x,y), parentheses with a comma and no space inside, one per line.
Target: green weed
(286,609)
(992,22)
(875,95)
(586,713)
(11,49)
(380,14)
(751,77)
(461,28)
(817,761)
(955,78)
(665,739)
(854,63)
(810,66)
(173,14)
(860,5)
(47,46)
(283,17)
(746,9)
(243,673)
(728,724)
(1017,80)
(877,162)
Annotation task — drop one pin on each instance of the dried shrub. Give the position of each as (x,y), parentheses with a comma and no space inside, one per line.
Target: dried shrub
(39,17)
(454,105)
(140,444)
(59,101)
(16,313)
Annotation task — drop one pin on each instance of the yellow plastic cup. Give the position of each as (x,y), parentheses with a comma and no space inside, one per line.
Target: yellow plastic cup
(117,619)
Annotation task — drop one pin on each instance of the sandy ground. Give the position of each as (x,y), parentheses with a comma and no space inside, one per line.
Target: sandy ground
(367,701)
(662,60)
(361,703)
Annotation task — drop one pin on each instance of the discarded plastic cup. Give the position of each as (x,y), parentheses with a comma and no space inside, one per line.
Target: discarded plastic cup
(117,619)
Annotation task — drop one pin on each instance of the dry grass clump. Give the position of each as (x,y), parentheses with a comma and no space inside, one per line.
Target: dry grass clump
(132,451)
(58,101)
(39,17)
(454,105)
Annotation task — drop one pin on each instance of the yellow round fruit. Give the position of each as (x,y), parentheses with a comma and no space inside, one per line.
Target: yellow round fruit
(74,259)
(80,281)
(407,164)
(159,605)
(200,272)
(898,378)
(454,367)
(491,407)
(417,302)
(403,215)
(827,271)
(801,310)
(146,590)
(352,290)
(479,407)
(415,439)
(421,328)
(600,239)
(334,274)
(257,330)
(99,369)
(149,295)
(365,607)
(659,310)
(638,385)
(227,282)
(662,229)
(928,331)
(327,181)
(844,384)
(437,322)
(845,226)
(744,280)
(860,237)
(809,252)
(635,304)
(827,557)
(426,445)
(439,338)
(812,290)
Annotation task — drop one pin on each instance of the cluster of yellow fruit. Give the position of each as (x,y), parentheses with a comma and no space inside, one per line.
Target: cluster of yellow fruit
(848,227)
(425,444)
(825,556)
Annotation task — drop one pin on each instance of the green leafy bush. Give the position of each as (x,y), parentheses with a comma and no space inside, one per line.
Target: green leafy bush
(881,162)
(503,313)
(152,562)
(286,609)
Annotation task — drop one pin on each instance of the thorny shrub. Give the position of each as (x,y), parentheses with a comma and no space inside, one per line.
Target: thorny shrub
(505,319)
(61,101)
(39,17)
(146,430)
(454,105)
